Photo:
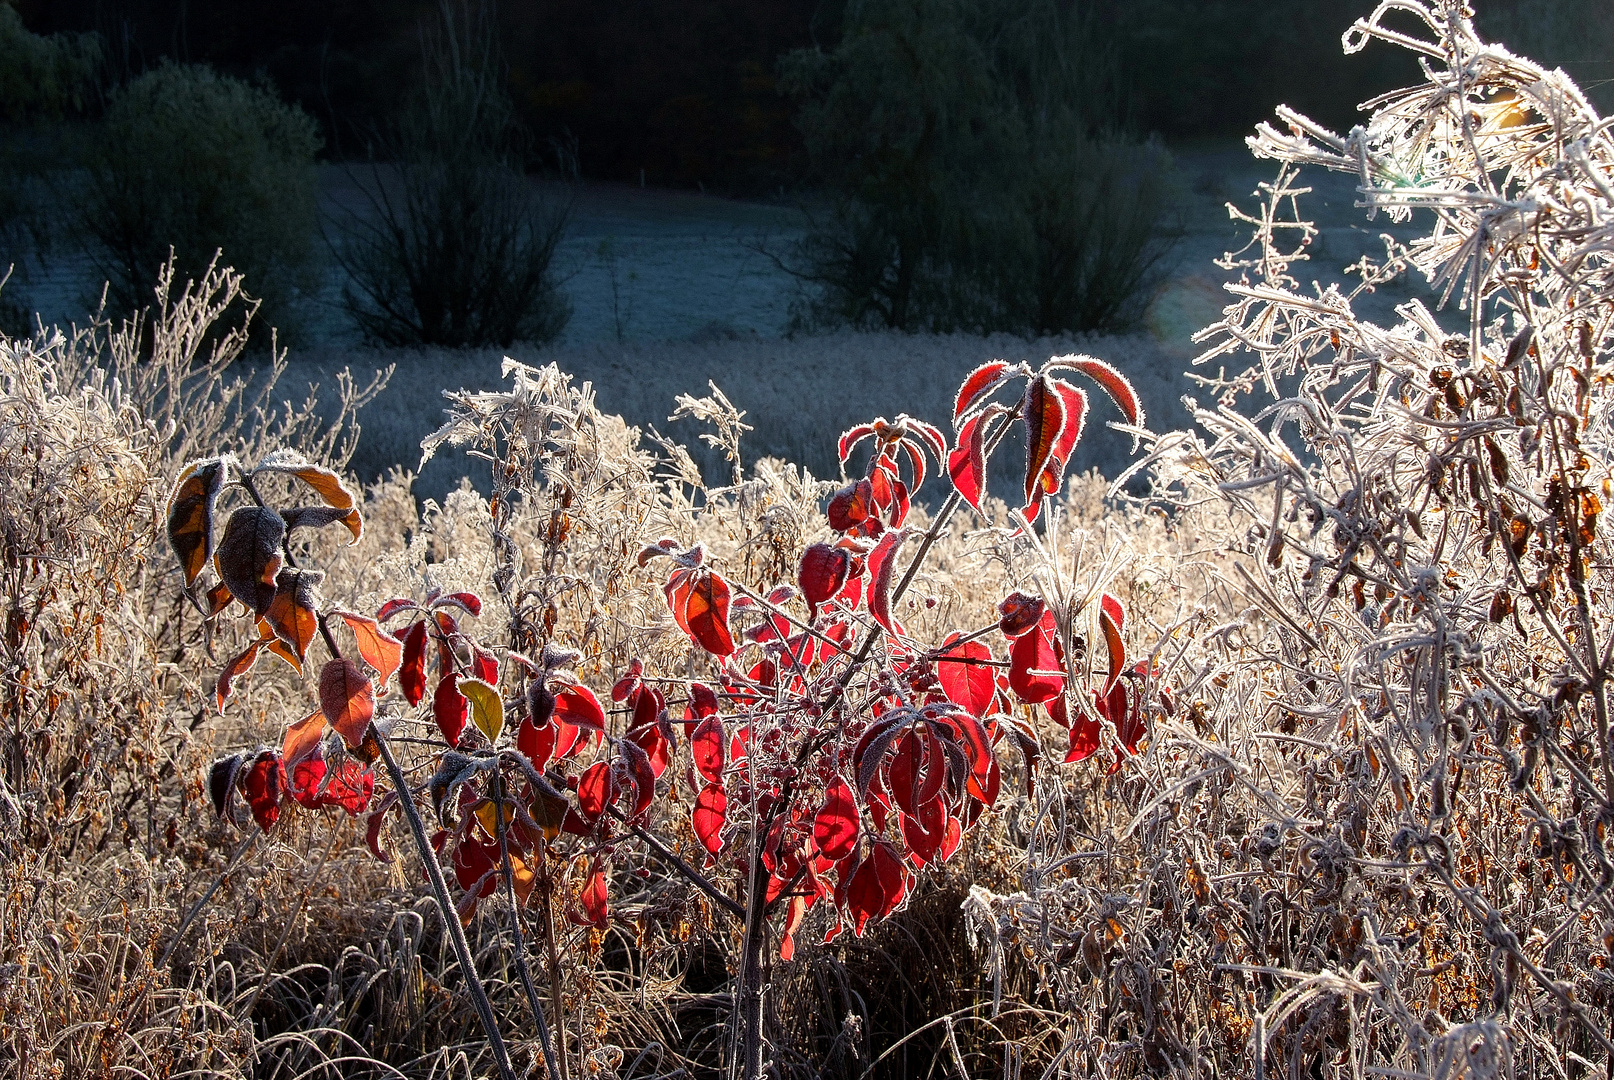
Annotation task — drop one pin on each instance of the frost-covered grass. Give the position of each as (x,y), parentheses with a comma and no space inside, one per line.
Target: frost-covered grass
(796,392)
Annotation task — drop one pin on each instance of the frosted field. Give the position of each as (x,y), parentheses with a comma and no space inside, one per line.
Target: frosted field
(668,289)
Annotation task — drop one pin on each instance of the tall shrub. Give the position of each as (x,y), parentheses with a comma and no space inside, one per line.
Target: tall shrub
(453,245)
(981,173)
(196,161)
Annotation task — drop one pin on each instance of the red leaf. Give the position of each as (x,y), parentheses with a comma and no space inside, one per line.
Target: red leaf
(648,704)
(679,585)
(793,916)
(931,436)
(350,788)
(306,778)
(641,775)
(392,607)
(902,776)
(591,908)
(380,650)
(702,703)
(969,686)
(536,744)
(986,787)
(412,674)
(576,704)
(1045,419)
(347,698)
(1075,403)
(967,463)
(706,748)
(822,574)
(851,506)
(1020,612)
(835,828)
(625,686)
(484,666)
(1084,738)
(877,886)
(851,438)
(653,740)
(925,830)
(1035,673)
(710,815)
(263,785)
(470,602)
(977,385)
(1112,622)
(708,615)
(473,864)
(596,789)
(1114,383)
(882,565)
(449,708)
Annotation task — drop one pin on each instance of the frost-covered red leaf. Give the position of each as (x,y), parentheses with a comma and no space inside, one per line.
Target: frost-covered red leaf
(977,386)
(706,747)
(263,785)
(576,704)
(966,464)
(1044,412)
(709,816)
(412,670)
(822,574)
(707,614)
(1035,671)
(851,506)
(882,567)
(596,790)
(449,708)
(302,738)
(835,827)
(592,906)
(1112,623)
(1114,383)
(1021,612)
(970,686)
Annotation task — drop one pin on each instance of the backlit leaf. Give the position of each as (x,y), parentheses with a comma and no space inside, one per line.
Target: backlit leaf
(707,614)
(1044,412)
(967,462)
(412,671)
(263,785)
(709,817)
(347,698)
(851,438)
(291,613)
(835,827)
(882,568)
(851,506)
(487,707)
(591,908)
(596,790)
(1114,383)
(706,747)
(1112,623)
(1020,611)
(326,484)
(379,649)
(970,686)
(1035,673)
(576,704)
(302,738)
(977,385)
(449,708)
(233,670)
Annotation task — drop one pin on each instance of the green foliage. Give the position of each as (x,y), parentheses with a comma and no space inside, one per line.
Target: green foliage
(190,159)
(982,178)
(455,246)
(43,75)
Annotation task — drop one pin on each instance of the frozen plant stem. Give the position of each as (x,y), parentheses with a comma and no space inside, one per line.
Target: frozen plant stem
(446,908)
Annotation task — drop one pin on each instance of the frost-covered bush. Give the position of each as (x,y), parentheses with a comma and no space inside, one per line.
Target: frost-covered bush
(1370,836)
(193,161)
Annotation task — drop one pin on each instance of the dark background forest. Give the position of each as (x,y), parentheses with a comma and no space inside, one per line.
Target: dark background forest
(686,91)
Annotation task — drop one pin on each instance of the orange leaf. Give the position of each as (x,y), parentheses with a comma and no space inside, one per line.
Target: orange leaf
(233,670)
(190,514)
(707,615)
(302,738)
(1045,420)
(291,613)
(380,650)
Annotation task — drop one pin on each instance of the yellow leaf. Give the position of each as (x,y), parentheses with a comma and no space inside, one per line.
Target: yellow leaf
(487,708)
